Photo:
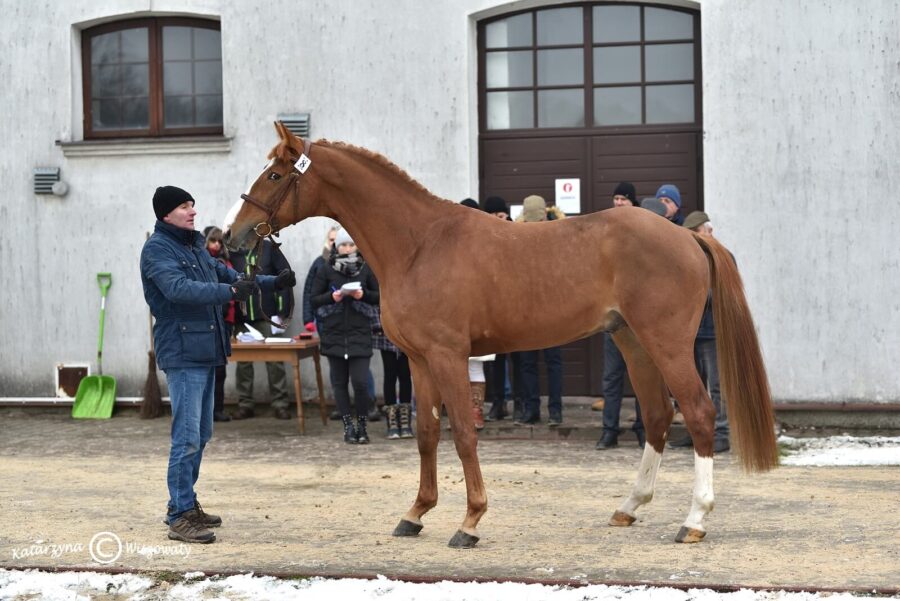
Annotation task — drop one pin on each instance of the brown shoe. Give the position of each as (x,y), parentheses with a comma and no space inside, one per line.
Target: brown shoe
(281,413)
(209,520)
(189,528)
(598,405)
(243,413)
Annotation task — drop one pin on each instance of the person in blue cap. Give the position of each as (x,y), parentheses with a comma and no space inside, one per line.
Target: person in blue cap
(669,195)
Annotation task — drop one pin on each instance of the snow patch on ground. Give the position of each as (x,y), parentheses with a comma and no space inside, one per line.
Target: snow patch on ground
(841,450)
(20,585)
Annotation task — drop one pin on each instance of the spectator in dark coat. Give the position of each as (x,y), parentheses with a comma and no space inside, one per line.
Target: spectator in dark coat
(309,315)
(344,295)
(671,197)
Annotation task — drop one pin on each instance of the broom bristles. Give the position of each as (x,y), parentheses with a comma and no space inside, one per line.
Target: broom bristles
(151,406)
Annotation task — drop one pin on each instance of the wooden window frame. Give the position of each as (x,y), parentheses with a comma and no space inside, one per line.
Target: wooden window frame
(156,129)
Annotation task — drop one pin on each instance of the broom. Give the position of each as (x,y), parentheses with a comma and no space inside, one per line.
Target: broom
(151,405)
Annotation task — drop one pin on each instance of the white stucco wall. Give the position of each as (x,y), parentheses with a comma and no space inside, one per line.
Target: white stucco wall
(800,114)
(801,108)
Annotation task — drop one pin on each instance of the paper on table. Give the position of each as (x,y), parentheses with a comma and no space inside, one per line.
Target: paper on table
(276,339)
(251,335)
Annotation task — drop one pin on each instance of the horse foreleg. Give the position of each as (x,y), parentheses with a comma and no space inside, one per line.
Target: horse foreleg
(656,410)
(451,374)
(428,433)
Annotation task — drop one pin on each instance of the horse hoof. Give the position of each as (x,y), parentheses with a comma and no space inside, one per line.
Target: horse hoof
(407,528)
(620,518)
(461,540)
(689,535)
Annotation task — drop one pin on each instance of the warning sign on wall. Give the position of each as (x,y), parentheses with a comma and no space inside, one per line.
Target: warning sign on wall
(568,195)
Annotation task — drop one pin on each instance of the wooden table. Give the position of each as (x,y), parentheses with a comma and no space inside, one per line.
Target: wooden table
(288,352)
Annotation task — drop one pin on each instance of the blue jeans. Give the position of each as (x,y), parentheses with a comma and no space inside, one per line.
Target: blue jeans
(708,367)
(530,386)
(614,370)
(191,393)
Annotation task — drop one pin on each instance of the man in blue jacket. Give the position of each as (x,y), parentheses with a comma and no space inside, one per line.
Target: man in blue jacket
(185,289)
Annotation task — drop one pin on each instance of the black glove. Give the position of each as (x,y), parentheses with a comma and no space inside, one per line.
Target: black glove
(285,279)
(243,289)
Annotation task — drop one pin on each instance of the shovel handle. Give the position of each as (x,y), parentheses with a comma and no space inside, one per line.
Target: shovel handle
(105,281)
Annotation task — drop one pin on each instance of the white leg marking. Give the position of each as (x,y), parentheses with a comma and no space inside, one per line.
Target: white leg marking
(704,498)
(646,481)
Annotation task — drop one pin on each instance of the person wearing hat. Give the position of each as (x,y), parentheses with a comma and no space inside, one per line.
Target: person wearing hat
(705,356)
(535,209)
(344,296)
(496,206)
(671,198)
(614,368)
(185,289)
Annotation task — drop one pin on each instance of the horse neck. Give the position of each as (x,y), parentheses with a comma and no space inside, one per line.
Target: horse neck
(386,214)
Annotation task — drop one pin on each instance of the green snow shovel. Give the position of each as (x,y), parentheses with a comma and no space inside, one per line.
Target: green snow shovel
(96,395)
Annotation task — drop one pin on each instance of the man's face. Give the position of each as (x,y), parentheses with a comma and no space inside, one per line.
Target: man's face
(705,230)
(182,216)
(501,215)
(622,201)
(671,207)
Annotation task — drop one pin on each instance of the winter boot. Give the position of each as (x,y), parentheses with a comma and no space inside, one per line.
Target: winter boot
(497,412)
(362,437)
(374,413)
(477,391)
(404,415)
(189,528)
(349,430)
(393,422)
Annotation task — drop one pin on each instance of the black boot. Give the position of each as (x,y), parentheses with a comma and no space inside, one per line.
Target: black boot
(404,417)
(497,412)
(609,440)
(374,413)
(362,437)
(393,422)
(349,430)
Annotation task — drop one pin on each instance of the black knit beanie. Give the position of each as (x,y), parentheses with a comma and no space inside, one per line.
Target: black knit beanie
(168,198)
(626,189)
(495,204)
(469,202)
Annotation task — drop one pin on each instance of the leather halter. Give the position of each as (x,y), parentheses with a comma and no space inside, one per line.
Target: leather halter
(266,229)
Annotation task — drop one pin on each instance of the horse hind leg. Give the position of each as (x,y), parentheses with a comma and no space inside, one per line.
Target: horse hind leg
(657,413)
(428,434)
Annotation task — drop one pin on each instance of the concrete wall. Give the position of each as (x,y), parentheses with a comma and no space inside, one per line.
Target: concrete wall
(801,108)
(800,112)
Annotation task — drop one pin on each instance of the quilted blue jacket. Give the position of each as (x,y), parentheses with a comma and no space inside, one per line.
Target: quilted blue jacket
(185,289)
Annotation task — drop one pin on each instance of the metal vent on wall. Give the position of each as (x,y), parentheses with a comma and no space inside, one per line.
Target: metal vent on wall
(44,178)
(297,123)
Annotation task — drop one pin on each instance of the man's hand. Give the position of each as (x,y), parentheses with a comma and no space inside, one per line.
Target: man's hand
(242,289)
(285,279)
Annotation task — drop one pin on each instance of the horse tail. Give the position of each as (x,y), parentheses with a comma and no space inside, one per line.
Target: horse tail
(741,368)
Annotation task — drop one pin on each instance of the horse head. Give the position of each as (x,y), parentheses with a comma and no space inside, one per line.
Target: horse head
(282,195)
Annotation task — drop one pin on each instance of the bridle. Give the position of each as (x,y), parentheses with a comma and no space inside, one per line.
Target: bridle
(267,229)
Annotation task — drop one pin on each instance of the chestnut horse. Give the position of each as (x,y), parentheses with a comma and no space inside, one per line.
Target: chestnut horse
(457,283)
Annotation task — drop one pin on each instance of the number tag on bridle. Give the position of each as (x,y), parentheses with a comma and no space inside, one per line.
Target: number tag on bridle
(302,163)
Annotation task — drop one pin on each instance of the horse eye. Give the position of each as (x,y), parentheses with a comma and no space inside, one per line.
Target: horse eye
(274,176)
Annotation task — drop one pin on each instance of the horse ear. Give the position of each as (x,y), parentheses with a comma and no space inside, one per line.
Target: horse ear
(280,130)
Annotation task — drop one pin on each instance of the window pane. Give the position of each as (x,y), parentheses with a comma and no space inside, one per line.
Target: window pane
(208,77)
(105,48)
(135,113)
(669,62)
(106,114)
(177,79)
(207,43)
(560,67)
(135,80)
(510,110)
(617,64)
(670,104)
(617,24)
(510,32)
(560,26)
(509,69)
(176,43)
(209,110)
(561,108)
(179,111)
(617,106)
(664,24)
(105,80)
(135,48)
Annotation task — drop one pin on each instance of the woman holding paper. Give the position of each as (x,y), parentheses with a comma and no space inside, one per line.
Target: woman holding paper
(344,296)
